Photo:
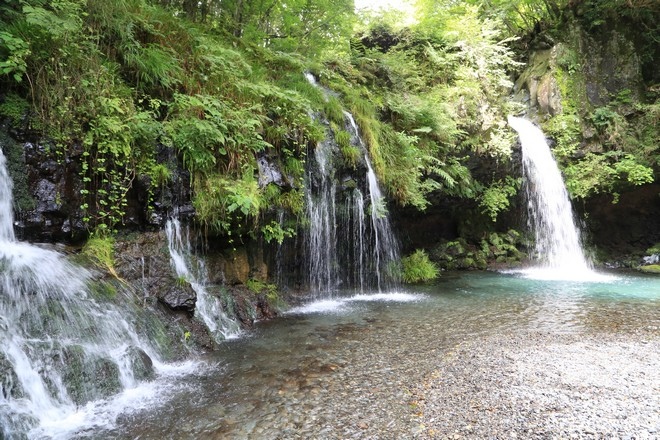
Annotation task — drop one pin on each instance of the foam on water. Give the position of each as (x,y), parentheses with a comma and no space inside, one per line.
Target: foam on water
(340,305)
(103,414)
(550,274)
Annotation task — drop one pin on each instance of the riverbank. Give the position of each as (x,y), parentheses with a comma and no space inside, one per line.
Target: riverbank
(546,385)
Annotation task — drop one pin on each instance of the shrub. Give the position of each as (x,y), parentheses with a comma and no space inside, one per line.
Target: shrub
(417,268)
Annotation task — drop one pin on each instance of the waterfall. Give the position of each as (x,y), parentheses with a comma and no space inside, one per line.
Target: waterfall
(64,343)
(321,243)
(385,249)
(349,242)
(6,209)
(208,308)
(558,246)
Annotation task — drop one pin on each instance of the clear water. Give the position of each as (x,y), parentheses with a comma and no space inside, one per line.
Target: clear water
(559,253)
(342,368)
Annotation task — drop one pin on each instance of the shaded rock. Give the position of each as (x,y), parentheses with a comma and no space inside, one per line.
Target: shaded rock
(230,267)
(10,388)
(141,364)
(179,296)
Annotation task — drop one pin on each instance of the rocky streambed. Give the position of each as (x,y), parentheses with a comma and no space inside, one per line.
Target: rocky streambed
(477,356)
(544,386)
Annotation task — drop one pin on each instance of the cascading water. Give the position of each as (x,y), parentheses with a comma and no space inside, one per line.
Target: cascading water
(385,250)
(557,238)
(321,243)
(62,344)
(349,242)
(208,308)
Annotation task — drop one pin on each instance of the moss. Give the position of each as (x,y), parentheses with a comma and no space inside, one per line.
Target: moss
(14,153)
(99,250)
(655,249)
(102,289)
(651,268)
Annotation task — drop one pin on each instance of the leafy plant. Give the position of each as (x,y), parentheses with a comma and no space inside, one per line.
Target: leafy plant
(495,198)
(275,231)
(417,268)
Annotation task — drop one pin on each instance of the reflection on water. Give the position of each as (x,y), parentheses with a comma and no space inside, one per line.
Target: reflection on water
(343,369)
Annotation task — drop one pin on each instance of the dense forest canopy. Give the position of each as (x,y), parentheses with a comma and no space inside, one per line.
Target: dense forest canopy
(110,84)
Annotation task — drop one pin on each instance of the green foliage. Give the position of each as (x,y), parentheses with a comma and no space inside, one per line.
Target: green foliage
(603,173)
(495,198)
(99,249)
(351,155)
(259,287)
(14,107)
(160,174)
(275,231)
(418,268)
(334,111)
(13,52)
(222,83)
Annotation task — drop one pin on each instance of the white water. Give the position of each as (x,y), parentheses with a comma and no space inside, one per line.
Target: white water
(321,240)
(341,305)
(385,248)
(349,242)
(208,308)
(60,347)
(558,246)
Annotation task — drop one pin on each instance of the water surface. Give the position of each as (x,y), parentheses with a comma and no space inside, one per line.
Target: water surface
(345,368)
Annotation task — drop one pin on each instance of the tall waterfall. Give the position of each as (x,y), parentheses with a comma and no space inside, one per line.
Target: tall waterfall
(64,343)
(349,242)
(558,244)
(208,308)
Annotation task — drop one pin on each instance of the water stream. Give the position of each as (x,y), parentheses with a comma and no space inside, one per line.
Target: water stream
(67,350)
(192,270)
(346,367)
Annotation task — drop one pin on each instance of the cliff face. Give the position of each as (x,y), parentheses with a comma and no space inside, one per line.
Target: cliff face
(593,94)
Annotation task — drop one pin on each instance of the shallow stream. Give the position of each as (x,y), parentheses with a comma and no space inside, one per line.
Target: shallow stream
(351,367)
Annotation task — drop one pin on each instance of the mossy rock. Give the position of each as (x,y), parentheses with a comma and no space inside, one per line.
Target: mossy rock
(651,268)
(655,249)
(89,377)
(141,364)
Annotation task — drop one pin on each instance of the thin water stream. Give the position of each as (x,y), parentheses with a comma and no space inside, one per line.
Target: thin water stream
(348,367)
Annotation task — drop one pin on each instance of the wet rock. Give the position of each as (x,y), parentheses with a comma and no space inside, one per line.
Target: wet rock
(179,296)
(10,387)
(141,364)
(88,376)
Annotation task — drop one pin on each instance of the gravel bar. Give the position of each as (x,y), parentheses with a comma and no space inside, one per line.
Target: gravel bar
(545,386)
